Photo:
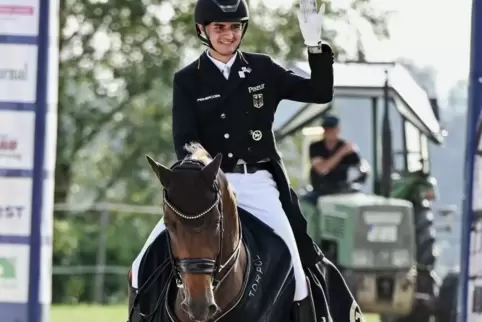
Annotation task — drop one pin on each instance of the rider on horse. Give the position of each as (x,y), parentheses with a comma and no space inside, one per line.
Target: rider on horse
(226,101)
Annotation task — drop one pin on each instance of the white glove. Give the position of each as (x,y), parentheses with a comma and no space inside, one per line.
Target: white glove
(310,23)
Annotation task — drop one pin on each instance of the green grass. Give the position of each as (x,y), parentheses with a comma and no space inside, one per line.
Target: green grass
(109,313)
(88,313)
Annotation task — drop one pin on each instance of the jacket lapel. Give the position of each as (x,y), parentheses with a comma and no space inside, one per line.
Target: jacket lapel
(210,74)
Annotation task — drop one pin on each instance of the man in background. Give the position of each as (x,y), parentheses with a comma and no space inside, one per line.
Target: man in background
(331,158)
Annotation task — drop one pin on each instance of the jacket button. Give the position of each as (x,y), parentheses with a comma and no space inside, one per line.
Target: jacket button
(226,136)
(223,116)
(230,155)
(257,135)
(250,149)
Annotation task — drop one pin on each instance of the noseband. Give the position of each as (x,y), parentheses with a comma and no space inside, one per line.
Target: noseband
(209,266)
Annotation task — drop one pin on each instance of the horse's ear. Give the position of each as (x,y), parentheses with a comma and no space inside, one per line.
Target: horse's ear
(164,174)
(210,171)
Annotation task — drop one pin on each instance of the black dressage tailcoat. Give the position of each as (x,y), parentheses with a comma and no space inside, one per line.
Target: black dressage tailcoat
(235,116)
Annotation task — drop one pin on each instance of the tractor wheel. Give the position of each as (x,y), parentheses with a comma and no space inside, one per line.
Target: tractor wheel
(424,236)
(446,308)
(426,283)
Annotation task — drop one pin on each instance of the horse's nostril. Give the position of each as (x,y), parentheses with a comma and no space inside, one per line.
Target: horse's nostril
(212,309)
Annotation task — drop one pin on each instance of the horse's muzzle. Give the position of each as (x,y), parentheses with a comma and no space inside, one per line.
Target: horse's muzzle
(200,310)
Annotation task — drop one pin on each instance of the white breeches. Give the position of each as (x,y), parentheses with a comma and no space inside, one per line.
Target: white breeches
(258,194)
(137,262)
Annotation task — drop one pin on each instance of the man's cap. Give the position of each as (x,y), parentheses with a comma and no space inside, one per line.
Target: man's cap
(330,121)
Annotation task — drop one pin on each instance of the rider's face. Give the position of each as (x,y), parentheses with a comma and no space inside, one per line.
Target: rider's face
(225,36)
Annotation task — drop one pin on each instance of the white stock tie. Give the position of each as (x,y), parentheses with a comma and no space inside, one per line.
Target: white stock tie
(226,72)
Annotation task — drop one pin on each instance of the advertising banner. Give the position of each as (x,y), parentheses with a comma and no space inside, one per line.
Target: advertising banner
(474,309)
(471,259)
(474,280)
(19,17)
(28,129)
(15,207)
(16,139)
(14,273)
(18,73)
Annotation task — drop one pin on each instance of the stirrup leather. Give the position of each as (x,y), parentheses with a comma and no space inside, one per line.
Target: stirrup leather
(304,310)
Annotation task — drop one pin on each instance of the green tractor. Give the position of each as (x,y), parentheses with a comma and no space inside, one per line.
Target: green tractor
(382,237)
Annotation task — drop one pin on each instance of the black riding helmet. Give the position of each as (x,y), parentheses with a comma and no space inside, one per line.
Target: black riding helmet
(208,11)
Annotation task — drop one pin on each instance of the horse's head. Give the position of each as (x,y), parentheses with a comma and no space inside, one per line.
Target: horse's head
(196,199)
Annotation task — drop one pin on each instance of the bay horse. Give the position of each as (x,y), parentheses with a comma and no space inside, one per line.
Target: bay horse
(223,266)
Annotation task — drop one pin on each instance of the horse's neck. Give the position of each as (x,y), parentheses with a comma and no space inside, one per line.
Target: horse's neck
(229,290)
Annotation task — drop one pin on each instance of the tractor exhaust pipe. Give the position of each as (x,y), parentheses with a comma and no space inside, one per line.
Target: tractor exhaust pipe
(387,153)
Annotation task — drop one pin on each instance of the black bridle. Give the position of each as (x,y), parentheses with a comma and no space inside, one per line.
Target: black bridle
(202,265)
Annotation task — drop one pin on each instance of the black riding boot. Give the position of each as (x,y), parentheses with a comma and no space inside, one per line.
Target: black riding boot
(304,310)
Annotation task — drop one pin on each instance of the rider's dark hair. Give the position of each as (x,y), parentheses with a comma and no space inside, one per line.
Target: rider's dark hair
(208,11)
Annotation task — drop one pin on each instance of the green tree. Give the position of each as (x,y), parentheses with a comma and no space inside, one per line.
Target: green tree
(116,67)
